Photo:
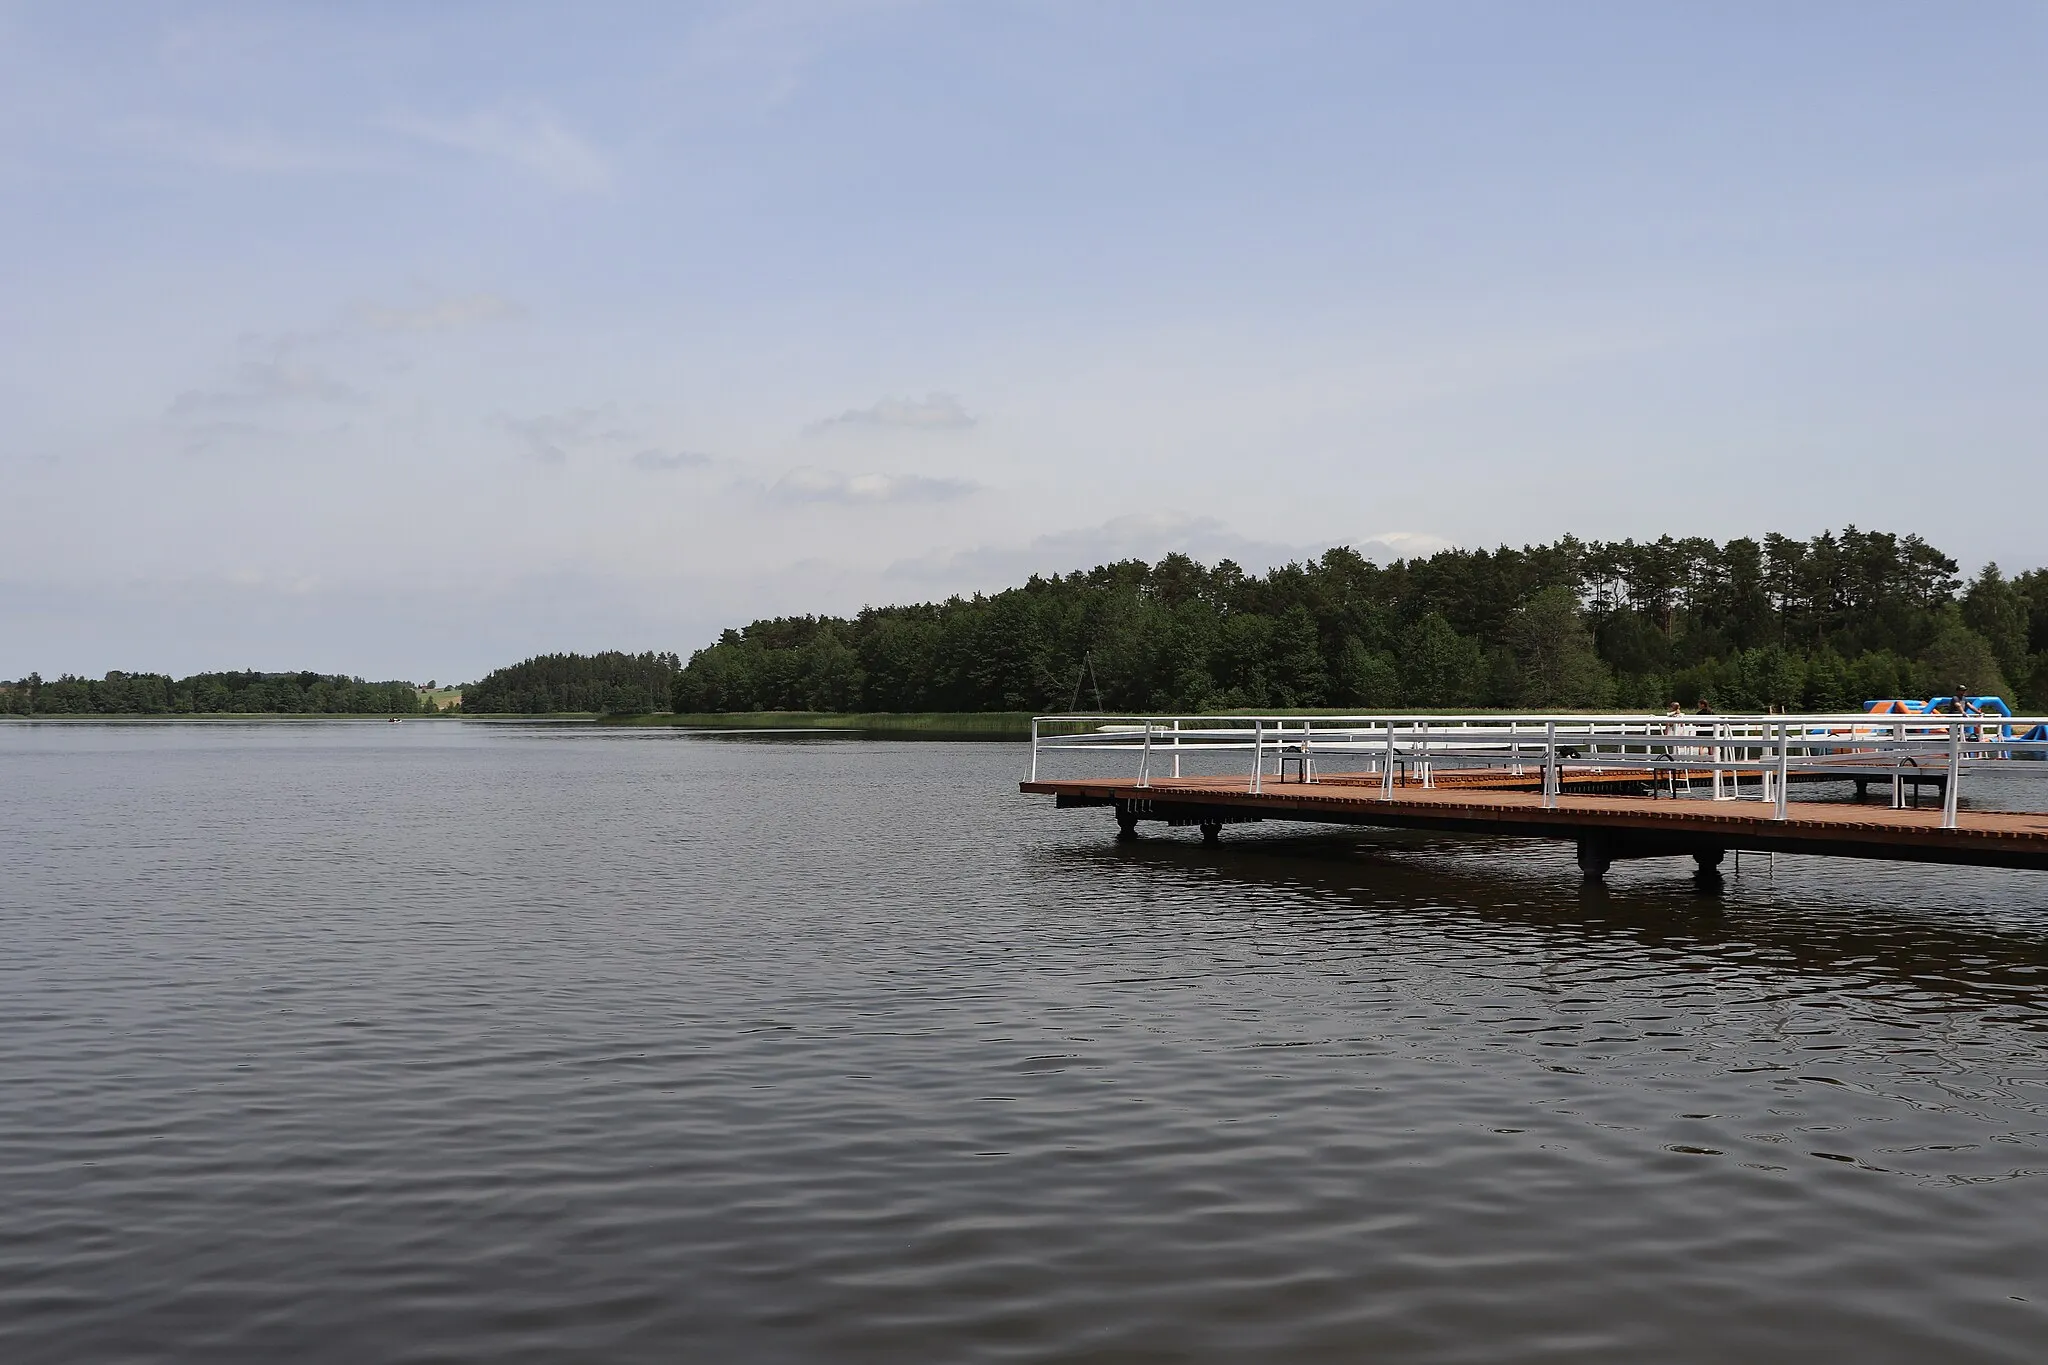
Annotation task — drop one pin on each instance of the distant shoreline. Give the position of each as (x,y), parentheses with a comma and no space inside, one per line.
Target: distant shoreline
(987,725)
(155,717)
(970,724)
(973,724)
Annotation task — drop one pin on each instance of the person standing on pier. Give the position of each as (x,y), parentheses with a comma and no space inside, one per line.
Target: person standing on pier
(1674,725)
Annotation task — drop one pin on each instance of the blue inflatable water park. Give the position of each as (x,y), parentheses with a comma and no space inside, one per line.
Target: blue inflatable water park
(1969,706)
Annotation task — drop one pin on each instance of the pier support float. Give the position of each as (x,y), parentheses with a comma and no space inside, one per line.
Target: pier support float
(1595,857)
(1180,814)
(1707,866)
(1601,850)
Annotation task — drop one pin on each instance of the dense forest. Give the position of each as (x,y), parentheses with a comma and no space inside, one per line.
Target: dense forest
(156,694)
(1820,624)
(610,683)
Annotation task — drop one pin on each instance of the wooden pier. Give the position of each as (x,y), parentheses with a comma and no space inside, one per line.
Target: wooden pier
(1605,828)
(1621,794)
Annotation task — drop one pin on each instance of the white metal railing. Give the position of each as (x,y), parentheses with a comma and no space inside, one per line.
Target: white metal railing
(1769,749)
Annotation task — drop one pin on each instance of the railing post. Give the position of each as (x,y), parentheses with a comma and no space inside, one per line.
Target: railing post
(1422,758)
(1898,762)
(1950,787)
(1308,762)
(1387,778)
(1550,782)
(1145,759)
(1258,756)
(1034,748)
(1176,746)
(1784,769)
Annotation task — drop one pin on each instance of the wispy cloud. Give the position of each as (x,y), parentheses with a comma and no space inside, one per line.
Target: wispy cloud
(442,315)
(531,139)
(254,148)
(753,56)
(664,460)
(549,437)
(1390,545)
(832,486)
(202,438)
(261,382)
(937,412)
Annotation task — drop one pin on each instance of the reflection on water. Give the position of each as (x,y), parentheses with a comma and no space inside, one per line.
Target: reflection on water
(1948,933)
(355,1042)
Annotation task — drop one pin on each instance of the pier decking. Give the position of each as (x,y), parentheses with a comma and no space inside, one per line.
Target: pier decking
(1604,797)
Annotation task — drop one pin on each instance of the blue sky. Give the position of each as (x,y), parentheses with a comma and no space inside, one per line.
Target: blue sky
(407,340)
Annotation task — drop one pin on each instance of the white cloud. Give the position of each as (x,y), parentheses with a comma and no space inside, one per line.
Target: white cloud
(441,315)
(1147,536)
(204,437)
(531,139)
(253,148)
(832,486)
(1391,545)
(261,382)
(548,437)
(663,460)
(938,412)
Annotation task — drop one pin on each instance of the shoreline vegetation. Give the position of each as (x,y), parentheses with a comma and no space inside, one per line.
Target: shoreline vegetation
(954,724)
(1821,624)
(223,717)
(249,693)
(1012,726)
(1816,625)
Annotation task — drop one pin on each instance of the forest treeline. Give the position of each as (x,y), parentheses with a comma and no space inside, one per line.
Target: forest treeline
(611,683)
(157,694)
(1818,624)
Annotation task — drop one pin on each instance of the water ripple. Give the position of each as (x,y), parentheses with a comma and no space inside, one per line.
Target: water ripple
(500,1043)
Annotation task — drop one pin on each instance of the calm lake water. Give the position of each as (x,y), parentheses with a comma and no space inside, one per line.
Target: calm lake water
(466,1042)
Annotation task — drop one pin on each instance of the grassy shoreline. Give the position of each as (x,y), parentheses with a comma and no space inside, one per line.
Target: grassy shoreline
(932,724)
(979,724)
(975,724)
(84,716)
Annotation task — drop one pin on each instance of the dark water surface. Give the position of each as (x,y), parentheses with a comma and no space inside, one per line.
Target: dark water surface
(437,1042)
